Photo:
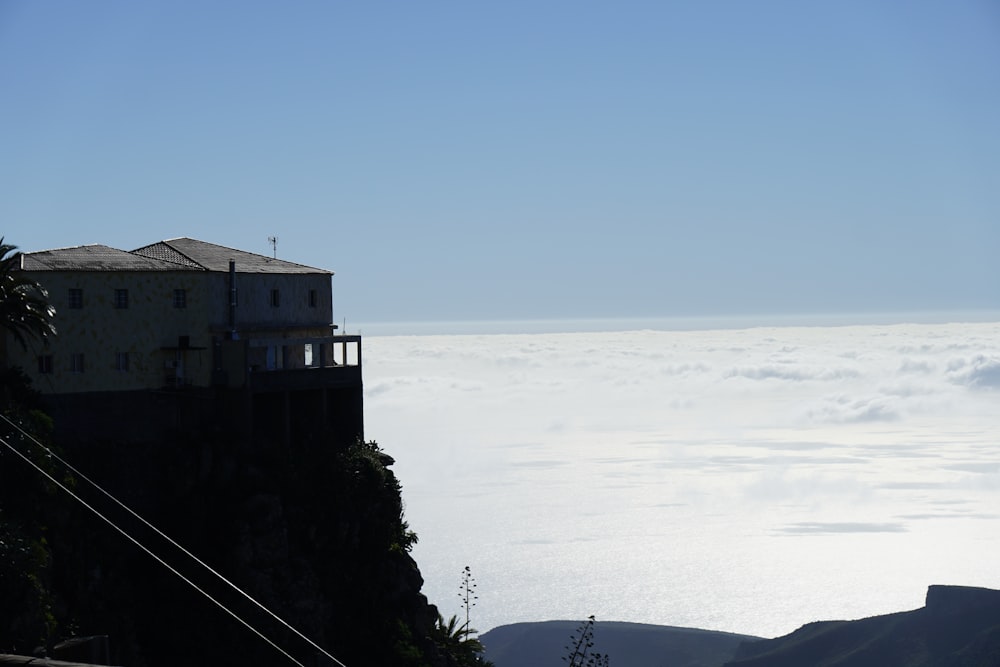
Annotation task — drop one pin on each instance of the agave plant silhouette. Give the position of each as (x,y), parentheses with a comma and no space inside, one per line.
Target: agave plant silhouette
(578,651)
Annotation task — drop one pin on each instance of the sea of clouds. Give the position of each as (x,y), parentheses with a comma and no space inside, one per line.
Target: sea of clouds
(748,480)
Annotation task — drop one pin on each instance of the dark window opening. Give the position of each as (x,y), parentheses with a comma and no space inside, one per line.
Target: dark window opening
(45,363)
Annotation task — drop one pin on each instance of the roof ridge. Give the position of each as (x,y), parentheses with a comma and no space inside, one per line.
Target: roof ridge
(242,252)
(69,247)
(182,253)
(95,257)
(266,259)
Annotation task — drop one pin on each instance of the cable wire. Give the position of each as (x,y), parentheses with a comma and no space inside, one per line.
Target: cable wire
(166,537)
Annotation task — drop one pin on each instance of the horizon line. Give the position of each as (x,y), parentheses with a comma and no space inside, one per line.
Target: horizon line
(514,326)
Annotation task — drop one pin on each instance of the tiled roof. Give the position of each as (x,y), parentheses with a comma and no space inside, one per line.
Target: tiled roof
(94,258)
(216,257)
(163,251)
(183,254)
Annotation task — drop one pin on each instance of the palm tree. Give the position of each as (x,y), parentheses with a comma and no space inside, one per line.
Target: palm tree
(458,643)
(24,304)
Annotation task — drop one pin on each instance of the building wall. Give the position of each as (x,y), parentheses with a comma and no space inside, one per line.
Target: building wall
(99,331)
(297,401)
(148,331)
(292,316)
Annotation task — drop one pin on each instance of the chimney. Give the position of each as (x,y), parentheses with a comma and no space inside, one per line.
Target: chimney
(232,299)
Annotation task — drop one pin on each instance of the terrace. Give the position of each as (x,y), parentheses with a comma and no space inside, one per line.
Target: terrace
(290,364)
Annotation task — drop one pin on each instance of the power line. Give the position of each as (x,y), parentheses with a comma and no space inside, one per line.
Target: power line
(186,552)
(148,551)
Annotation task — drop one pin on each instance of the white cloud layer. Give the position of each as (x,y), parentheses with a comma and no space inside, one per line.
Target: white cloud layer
(747,480)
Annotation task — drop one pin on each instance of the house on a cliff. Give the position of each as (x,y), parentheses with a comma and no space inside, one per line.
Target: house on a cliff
(181,334)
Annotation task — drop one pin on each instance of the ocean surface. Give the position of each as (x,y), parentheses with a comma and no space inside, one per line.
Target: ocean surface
(743,479)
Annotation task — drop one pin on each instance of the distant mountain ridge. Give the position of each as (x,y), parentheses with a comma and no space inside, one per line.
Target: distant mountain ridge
(959,626)
(542,644)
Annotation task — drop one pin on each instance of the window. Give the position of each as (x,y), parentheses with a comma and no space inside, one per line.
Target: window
(45,363)
(121,298)
(275,298)
(121,361)
(308,353)
(75,298)
(76,362)
(180,298)
(313,299)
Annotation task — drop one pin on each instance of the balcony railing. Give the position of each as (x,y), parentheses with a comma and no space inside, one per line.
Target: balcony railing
(266,364)
(305,378)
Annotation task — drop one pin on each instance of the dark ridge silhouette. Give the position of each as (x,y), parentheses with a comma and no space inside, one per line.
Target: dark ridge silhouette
(314,533)
(958,627)
(542,644)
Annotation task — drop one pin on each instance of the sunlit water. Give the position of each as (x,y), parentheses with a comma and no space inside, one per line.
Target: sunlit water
(748,480)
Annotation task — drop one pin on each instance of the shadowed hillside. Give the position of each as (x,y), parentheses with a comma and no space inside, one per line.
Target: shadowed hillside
(958,627)
(315,533)
(629,644)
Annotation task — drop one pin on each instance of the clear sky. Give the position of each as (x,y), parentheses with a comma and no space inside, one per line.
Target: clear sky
(524,159)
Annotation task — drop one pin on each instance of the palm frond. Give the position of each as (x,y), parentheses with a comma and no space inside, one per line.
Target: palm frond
(25,310)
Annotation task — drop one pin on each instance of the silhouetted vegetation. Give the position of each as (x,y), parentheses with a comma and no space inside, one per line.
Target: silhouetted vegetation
(25,311)
(317,535)
(458,643)
(28,511)
(579,649)
(467,593)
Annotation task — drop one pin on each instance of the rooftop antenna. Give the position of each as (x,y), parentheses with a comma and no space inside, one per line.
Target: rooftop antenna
(273,240)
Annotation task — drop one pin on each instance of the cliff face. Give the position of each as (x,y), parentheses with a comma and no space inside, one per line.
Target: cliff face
(950,601)
(315,534)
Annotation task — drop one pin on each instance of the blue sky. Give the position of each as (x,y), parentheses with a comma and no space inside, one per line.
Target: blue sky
(525,159)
